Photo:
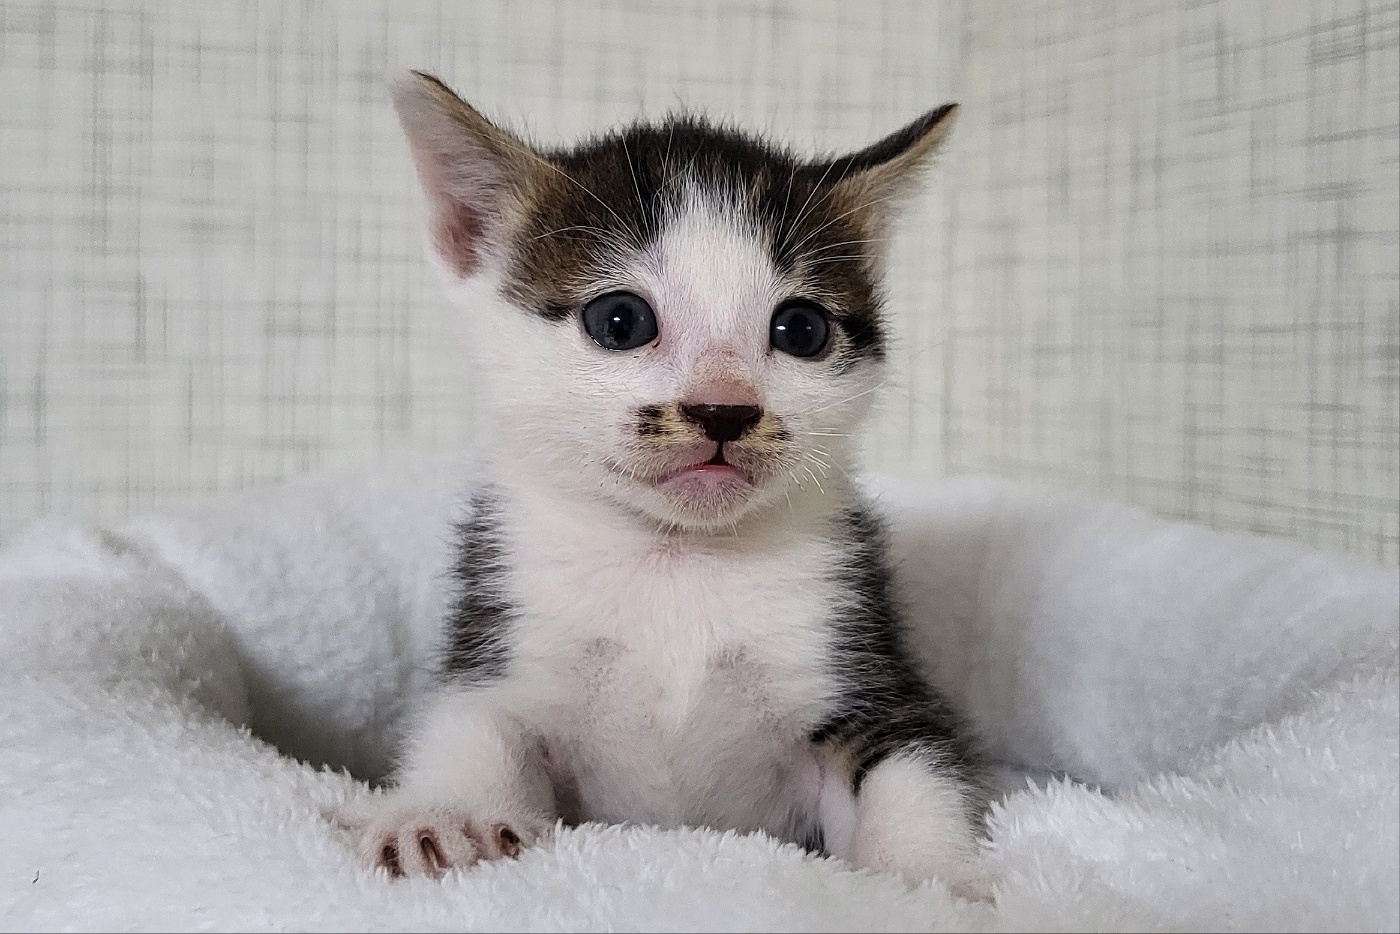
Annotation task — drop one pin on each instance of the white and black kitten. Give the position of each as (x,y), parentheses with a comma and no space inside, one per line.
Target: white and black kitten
(674,609)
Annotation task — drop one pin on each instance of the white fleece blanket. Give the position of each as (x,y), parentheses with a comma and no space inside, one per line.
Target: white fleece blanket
(1209,723)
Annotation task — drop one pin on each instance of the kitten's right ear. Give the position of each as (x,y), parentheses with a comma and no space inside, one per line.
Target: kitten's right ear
(475,174)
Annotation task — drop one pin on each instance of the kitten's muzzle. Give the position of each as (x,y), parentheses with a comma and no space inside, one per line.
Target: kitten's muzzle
(723,422)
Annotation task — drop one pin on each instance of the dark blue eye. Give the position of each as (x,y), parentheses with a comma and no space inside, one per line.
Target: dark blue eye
(800,328)
(620,321)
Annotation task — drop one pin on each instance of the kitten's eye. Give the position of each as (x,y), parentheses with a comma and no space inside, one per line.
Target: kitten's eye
(620,321)
(800,328)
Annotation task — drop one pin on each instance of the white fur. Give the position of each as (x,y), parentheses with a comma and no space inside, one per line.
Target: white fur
(912,820)
(837,812)
(1254,787)
(663,669)
(668,678)
(561,410)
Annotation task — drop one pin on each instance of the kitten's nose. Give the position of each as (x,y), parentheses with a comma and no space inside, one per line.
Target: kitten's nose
(722,422)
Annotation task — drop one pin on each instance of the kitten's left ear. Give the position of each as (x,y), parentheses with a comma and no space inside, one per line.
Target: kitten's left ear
(887,168)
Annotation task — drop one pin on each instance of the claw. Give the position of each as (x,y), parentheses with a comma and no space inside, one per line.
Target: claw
(432,852)
(389,858)
(431,839)
(507,841)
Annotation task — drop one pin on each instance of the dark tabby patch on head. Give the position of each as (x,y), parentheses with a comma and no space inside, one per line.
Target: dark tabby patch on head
(610,198)
(566,219)
(884,705)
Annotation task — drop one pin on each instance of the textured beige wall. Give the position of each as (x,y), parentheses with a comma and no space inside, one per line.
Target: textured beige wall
(212,264)
(1159,260)
(1175,272)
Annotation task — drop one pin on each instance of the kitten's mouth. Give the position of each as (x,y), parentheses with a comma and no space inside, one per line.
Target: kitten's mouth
(716,465)
(712,481)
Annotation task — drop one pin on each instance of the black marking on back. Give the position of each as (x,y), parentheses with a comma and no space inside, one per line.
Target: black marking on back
(884,705)
(476,648)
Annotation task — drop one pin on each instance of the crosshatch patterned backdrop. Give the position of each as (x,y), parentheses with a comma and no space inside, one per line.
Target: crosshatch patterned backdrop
(1159,259)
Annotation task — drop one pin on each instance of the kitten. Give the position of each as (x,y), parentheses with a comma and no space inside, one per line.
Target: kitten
(675,608)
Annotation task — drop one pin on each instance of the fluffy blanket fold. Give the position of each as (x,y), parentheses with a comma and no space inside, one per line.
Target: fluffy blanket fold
(1199,730)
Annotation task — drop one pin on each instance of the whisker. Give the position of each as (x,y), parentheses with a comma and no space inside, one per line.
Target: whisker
(666,164)
(830,405)
(792,176)
(817,251)
(857,208)
(827,465)
(802,213)
(581,227)
(808,471)
(636,187)
(636,237)
(809,263)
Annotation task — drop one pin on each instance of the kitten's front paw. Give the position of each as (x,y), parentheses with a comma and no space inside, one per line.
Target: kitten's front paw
(416,839)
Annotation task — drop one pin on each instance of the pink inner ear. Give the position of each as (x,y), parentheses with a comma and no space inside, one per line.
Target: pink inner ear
(457,233)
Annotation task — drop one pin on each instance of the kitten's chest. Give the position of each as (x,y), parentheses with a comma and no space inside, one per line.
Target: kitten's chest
(678,688)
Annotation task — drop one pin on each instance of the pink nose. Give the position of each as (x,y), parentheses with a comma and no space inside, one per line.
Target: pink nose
(721,392)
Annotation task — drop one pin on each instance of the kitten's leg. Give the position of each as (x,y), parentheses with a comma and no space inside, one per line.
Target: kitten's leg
(906,812)
(472,787)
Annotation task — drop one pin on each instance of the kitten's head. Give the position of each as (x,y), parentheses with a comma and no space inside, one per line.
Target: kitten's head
(678,318)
